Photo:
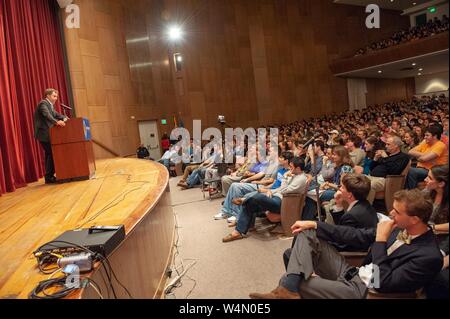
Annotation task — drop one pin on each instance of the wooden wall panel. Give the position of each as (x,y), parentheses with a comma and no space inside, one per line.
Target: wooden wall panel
(254,61)
(117,83)
(382,90)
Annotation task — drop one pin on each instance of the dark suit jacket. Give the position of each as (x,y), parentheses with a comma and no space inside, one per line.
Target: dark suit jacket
(391,165)
(45,117)
(407,269)
(347,238)
(410,267)
(362,215)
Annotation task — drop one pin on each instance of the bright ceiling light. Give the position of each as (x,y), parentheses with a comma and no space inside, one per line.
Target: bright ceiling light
(175,33)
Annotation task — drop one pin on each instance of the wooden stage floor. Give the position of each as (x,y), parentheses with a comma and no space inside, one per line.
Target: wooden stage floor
(123,191)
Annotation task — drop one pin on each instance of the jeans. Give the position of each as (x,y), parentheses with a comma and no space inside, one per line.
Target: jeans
(415,176)
(253,205)
(237,190)
(196,176)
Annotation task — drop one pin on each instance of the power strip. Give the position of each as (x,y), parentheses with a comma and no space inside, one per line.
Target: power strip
(175,280)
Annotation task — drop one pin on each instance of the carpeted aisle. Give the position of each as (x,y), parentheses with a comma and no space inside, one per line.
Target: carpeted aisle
(222,271)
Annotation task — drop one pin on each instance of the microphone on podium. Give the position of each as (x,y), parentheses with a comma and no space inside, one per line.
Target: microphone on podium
(65,108)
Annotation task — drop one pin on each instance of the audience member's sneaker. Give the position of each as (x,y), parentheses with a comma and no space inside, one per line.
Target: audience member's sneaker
(232,219)
(220,215)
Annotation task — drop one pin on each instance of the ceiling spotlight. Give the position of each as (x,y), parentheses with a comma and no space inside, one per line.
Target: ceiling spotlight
(419,74)
(420,69)
(414,64)
(414,3)
(175,33)
(380,71)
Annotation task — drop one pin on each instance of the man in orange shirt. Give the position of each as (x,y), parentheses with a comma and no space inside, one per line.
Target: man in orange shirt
(429,153)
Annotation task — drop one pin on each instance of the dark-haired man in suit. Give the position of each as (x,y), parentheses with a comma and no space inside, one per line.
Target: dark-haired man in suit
(403,258)
(46,117)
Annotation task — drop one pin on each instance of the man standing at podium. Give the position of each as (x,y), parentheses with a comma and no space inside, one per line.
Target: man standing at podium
(46,117)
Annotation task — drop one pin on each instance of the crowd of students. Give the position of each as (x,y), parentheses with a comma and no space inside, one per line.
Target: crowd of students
(341,161)
(432,27)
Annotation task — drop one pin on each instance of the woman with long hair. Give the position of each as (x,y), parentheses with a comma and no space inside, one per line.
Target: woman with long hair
(437,185)
(411,140)
(371,145)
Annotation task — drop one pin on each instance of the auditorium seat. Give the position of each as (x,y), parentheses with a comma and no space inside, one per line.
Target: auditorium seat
(291,211)
(373,294)
(354,259)
(394,183)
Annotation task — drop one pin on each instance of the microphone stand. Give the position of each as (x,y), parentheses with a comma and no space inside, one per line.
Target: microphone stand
(319,210)
(65,107)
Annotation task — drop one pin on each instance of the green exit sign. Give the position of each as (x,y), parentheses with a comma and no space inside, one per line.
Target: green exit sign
(432,9)
(164,122)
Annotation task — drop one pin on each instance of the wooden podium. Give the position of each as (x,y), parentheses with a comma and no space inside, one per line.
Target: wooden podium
(73,153)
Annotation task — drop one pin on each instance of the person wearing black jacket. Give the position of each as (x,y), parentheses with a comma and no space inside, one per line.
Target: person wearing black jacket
(404,257)
(353,192)
(389,162)
(360,214)
(46,117)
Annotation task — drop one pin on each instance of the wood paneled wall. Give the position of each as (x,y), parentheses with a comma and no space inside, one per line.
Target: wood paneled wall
(109,87)
(383,90)
(254,61)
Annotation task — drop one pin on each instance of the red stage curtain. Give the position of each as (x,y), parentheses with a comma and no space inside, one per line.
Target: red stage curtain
(31,61)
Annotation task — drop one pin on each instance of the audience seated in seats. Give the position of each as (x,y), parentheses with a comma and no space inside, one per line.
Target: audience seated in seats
(199,173)
(437,187)
(285,160)
(170,156)
(431,28)
(389,162)
(404,254)
(354,149)
(362,134)
(371,146)
(264,174)
(241,170)
(410,140)
(353,194)
(295,182)
(429,153)
(314,157)
(326,173)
